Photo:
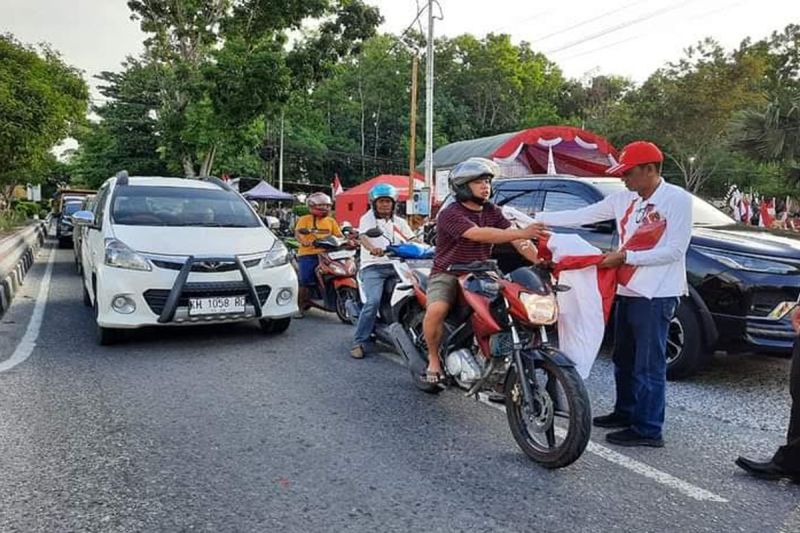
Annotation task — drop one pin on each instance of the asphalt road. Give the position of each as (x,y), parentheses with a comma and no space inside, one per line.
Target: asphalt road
(225,429)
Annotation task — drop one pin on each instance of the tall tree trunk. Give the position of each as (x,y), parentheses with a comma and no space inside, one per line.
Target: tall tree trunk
(188,167)
(363,133)
(208,161)
(377,129)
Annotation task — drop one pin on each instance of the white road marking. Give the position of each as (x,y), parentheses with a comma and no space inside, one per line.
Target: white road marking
(28,342)
(619,459)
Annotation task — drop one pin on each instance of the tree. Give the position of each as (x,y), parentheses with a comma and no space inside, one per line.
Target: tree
(227,63)
(687,107)
(126,137)
(41,101)
(772,134)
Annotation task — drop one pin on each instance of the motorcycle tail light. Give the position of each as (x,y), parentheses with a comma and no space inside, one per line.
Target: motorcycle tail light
(541,309)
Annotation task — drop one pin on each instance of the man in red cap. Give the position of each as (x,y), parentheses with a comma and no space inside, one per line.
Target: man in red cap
(642,317)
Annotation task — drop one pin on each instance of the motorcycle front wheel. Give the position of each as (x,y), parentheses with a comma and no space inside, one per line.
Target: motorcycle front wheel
(556,434)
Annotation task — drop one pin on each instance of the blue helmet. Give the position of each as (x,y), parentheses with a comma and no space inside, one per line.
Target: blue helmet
(383,190)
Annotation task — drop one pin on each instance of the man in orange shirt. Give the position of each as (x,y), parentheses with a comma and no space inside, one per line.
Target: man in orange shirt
(318,224)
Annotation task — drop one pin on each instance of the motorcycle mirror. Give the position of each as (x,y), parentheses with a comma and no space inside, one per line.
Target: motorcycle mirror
(374,233)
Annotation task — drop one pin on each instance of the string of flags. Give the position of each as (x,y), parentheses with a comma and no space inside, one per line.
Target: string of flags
(752,209)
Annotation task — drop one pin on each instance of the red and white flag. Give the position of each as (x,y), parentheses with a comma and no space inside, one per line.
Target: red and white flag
(767,213)
(584,310)
(336,186)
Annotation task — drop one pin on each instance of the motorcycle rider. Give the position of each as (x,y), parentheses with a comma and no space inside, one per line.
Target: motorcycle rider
(319,225)
(466,231)
(375,268)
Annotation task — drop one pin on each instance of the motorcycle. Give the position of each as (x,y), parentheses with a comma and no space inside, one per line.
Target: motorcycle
(396,290)
(336,274)
(496,339)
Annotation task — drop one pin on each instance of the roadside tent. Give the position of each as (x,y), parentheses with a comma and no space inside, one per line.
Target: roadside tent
(353,203)
(265,191)
(542,150)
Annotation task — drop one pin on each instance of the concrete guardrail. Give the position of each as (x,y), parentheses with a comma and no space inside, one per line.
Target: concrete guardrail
(17,255)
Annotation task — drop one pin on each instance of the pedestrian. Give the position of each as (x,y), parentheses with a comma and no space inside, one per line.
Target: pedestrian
(642,318)
(786,461)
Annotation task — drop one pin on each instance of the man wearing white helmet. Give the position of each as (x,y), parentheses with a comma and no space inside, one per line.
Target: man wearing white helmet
(319,224)
(466,231)
(376,269)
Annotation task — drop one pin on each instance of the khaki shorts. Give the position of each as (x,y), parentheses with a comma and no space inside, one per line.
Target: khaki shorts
(442,287)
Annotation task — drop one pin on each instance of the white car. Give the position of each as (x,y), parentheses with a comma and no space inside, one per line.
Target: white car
(174,251)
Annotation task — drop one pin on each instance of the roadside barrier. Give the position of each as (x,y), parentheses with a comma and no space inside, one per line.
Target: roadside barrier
(17,255)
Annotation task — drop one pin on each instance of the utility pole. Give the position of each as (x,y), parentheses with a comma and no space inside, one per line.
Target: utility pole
(412,145)
(280,157)
(429,102)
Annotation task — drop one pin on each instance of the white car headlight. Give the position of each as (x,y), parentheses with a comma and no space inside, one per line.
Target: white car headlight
(542,310)
(746,262)
(277,256)
(119,255)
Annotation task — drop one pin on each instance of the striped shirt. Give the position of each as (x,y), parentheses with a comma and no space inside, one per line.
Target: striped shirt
(451,246)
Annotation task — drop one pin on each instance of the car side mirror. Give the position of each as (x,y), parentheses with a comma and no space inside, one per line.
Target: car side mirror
(83,218)
(374,233)
(606,226)
(272,223)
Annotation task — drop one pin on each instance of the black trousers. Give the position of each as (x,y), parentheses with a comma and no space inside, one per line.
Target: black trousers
(788,457)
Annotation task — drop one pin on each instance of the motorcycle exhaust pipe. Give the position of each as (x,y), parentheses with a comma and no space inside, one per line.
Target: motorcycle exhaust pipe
(405,346)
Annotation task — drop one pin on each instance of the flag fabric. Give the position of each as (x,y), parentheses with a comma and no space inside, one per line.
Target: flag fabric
(766,213)
(584,310)
(336,186)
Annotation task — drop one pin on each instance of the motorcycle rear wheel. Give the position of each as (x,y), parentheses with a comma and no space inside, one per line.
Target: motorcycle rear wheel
(343,295)
(570,393)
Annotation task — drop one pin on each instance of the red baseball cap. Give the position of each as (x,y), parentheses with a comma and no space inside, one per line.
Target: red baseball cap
(635,154)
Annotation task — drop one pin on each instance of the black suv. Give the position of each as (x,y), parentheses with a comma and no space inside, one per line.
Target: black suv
(743,280)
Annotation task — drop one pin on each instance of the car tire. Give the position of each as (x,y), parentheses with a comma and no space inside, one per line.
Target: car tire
(685,350)
(87,300)
(78,266)
(62,242)
(274,326)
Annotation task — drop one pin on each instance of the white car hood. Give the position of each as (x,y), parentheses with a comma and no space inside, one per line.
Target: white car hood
(195,240)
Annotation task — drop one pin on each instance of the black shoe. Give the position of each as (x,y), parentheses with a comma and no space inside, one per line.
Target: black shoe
(766,470)
(628,437)
(614,420)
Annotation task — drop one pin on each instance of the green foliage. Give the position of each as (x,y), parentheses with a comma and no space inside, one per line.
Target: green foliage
(41,101)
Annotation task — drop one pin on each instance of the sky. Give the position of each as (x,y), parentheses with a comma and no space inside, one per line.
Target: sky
(585,37)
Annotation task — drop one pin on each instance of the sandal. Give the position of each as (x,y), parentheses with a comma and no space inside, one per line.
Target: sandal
(434,378)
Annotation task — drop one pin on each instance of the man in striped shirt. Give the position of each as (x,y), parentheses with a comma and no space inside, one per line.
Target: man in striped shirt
(466,231)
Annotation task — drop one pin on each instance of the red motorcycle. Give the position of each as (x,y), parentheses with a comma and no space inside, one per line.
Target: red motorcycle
(496,341)
(336,274)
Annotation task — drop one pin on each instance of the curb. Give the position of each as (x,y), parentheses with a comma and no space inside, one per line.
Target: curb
(17,256)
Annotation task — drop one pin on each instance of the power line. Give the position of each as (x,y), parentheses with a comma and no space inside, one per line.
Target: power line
(638,35)
(621,26)
(587,21)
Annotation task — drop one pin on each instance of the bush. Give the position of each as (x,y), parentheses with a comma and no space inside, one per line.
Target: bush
(300,210)
(11,219)
(27,209)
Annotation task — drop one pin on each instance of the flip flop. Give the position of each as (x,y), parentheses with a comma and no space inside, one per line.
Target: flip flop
(433,378)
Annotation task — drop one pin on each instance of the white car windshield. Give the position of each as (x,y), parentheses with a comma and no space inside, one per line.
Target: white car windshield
(180,206)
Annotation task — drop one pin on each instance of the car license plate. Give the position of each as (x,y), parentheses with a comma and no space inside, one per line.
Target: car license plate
(219,305)
(342,254)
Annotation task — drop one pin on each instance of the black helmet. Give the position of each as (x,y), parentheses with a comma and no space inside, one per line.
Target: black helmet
(468,171)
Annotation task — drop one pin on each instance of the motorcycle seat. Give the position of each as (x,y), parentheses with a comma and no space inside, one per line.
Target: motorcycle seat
(475,266)
(422,278)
